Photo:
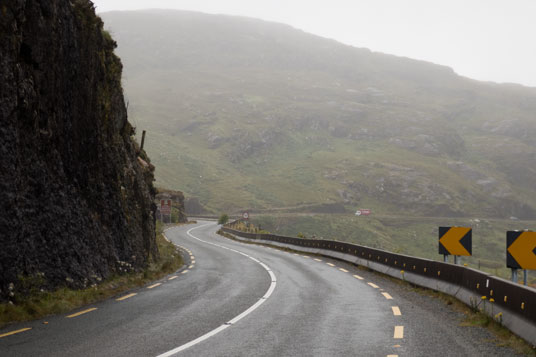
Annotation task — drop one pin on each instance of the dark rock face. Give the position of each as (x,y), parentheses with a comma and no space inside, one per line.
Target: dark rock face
(75,203)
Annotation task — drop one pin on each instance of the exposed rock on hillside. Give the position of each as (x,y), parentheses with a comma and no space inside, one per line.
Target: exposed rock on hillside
(75,203)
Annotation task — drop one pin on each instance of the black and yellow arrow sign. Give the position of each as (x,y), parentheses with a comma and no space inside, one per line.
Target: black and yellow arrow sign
(455,241)
(521,250)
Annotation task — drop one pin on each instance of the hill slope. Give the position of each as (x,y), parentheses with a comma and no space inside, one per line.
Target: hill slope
(246,113)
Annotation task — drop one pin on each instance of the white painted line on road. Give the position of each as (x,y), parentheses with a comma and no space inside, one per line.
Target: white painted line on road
(358,277)
(126,297)
(399,332)
(237,318)
(343,270)
(184,272)
(396,310)
(173,277)
(191,266)
(392,355)
(15,332)
(387,296)
(193,262)
(373,285)
(305,256)
(331,265)
(318,260)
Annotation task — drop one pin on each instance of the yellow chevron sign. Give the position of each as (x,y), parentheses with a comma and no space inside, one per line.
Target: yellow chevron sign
(455,241)
(521,250)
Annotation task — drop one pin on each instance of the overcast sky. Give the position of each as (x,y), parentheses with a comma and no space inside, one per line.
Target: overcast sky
(491,40)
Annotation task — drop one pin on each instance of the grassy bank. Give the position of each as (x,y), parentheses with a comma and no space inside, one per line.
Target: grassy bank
(42,303)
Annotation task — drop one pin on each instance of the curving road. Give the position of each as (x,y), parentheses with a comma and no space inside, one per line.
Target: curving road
(238,299)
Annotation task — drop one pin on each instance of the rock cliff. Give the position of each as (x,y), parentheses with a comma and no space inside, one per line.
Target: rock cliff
(76,205)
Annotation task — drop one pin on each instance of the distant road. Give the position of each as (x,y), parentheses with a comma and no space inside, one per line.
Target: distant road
(248,300)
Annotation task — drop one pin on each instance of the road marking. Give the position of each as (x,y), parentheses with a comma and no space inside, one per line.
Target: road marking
(396,310)
(318,260)
(154,285)
(343,270)
(373,285)
(387,296)
(15,332)
(305,256)
(184,272)
(237,318)
(193,261)
(81,312)
(126,297)
(173,277)
(358,277)
(392,355)
(191,266)
(399,332)
(331,265)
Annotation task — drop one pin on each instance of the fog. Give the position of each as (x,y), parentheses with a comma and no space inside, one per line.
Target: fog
(488,40)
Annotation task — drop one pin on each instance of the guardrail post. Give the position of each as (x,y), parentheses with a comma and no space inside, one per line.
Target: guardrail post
(445,258)
(525,276)
(457,259)
(514,275)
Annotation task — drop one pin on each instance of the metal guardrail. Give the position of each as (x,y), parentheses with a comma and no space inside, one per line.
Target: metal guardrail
(517,298)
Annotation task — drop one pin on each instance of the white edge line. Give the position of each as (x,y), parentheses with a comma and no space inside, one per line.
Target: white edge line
(235,319)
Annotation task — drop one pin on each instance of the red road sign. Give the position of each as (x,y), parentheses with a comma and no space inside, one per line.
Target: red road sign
(165,206)
(245,215)
(365,212)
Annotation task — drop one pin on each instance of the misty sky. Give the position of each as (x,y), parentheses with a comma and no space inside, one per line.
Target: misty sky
(482,39)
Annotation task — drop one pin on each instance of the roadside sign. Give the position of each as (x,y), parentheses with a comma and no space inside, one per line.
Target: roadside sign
(165,206)
(521,250)
(455,241)
(245,215)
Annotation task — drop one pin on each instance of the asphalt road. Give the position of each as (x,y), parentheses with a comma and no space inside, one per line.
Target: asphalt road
(236,299)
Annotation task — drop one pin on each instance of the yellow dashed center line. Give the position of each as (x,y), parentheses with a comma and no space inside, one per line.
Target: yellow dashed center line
(387,296)
(81,312)
(343,270)
(184,272)
(154,285)
(126,297)
(193,261)
(392,355)
(191,266)
(358,277)
(15,332)
(305,256)
(399,332)
(396,310)
(318,260)
(331,265)
(373,285)
(173,277)
(296,254)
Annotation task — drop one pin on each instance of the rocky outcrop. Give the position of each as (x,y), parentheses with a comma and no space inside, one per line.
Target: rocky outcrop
(177,206)
(75,203)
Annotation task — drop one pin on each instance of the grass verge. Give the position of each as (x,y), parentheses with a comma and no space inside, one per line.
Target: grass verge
(41,304)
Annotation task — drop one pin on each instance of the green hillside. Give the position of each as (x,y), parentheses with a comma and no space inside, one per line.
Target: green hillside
(243,113)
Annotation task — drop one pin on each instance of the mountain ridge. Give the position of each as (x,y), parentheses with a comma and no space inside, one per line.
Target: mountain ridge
(264,115)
